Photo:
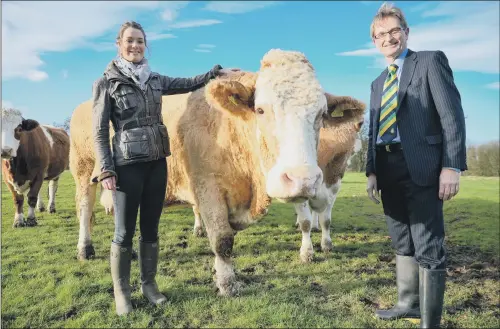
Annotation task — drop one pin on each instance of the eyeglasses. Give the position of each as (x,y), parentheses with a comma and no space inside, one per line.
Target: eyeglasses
(393,32)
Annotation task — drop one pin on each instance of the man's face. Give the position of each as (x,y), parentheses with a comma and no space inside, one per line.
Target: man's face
(389,37)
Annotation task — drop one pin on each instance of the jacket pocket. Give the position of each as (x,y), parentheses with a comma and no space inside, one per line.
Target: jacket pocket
(126,98)
(164,139)
(434,139)
(134,144)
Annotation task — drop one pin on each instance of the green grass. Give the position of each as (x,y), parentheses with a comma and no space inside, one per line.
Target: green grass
(44,285)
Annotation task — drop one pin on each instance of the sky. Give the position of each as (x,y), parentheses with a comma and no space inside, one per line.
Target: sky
(52,52)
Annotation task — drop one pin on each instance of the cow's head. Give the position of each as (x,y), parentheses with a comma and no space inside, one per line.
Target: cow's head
(13,126)
(345,119)
(286,105)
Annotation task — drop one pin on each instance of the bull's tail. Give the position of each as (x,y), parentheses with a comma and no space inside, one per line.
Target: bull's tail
(106,201)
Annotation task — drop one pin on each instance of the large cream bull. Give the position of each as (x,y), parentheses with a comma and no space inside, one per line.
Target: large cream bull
(236,144)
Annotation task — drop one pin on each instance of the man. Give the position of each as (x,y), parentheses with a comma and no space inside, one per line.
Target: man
(415,156)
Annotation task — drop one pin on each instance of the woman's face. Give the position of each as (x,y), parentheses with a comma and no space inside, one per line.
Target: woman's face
(132,45)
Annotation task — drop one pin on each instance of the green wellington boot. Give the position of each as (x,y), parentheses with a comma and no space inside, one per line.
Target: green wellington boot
(407,305)
(148,258)
(120,259)
(432,286)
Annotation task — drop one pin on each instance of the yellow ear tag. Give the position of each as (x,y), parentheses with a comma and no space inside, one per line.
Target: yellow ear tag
(233,100)
(337,113)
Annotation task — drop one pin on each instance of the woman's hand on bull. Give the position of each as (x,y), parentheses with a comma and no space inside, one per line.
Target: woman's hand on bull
(228,71)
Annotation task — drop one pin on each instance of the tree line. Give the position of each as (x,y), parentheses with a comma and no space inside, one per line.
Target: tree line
(482,160)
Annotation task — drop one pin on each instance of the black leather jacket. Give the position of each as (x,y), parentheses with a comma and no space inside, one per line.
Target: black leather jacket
(140,134)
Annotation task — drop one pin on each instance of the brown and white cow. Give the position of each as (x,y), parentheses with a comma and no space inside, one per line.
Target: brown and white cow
(236,144)
(334,150)
(31,153)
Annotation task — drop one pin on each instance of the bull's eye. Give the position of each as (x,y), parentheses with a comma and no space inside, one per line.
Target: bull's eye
(260,111)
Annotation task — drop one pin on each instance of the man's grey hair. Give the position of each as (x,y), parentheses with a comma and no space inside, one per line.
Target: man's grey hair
(388,10)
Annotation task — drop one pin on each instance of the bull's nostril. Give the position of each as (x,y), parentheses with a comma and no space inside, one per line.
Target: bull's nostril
(286,178)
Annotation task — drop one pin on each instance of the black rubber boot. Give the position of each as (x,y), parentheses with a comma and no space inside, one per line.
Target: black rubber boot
(432,286)
(407,305)
(120,259)
(148,258)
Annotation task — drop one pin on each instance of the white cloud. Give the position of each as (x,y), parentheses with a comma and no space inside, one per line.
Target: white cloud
(151,36)
(203,50)
(194,23)
(237,7)
(494,85)
(171,12)
(64,74)
(205,45)
(466,32)
(63,26)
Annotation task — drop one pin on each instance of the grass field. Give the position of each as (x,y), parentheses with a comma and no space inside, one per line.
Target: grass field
(44,285)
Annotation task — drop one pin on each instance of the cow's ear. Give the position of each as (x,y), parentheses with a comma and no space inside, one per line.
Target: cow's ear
(342,109)
(232,97)
(29,124)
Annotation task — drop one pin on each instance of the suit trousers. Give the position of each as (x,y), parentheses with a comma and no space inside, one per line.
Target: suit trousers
(414,213)
(139,185)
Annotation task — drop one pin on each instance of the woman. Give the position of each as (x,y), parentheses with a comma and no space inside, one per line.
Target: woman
(129,95)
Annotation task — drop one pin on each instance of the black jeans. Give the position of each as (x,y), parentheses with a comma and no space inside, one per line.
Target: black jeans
(414,213)
(139,185)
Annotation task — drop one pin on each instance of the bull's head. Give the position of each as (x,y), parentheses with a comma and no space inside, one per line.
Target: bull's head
(13,126)
(285,104)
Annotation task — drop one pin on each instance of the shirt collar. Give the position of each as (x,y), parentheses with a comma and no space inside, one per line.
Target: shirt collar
(401,58)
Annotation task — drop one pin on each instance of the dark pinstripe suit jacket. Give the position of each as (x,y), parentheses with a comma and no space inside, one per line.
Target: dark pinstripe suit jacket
(429,116)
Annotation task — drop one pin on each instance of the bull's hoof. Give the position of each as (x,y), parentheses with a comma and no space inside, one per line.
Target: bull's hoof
(41,208)
(86,252)
(315,229)
(326,246)
(306,256)
(31,222)
(19,223)
(230,290)
(198,232)
(52,209)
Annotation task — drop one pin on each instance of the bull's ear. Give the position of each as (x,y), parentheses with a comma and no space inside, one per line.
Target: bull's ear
(344,109)
(29,124)
(231,97)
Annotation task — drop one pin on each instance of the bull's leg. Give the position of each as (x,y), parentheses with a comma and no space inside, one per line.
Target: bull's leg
(305,219)
(33,192)
(40,205)
(18,202)
(85,199)
(214,214)
(19,217)
(198,225)
(52,194)
(315,222)
(325,218)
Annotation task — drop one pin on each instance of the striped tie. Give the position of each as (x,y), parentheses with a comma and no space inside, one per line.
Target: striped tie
(387,126)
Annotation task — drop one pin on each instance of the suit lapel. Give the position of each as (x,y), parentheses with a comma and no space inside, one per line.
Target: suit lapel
(408,69)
